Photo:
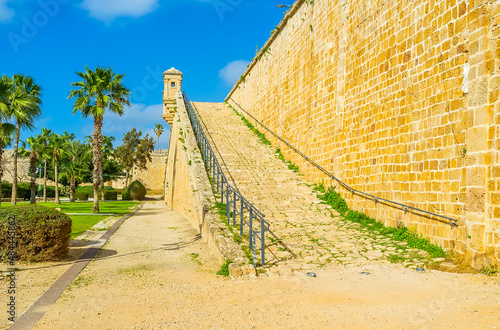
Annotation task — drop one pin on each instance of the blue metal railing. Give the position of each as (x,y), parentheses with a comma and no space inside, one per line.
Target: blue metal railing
(236,204)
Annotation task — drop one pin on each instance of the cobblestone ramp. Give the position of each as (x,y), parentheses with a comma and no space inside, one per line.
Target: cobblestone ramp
(315,234)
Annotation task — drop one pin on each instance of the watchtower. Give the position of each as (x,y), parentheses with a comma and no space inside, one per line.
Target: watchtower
(173,83)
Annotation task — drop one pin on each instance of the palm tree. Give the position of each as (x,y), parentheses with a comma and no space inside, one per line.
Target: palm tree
(6,129)
(99,91)
(35,145)
(158,131)
(46,154)
(58,145)
(25,88)
(74,168)
(6,136)
(107,151)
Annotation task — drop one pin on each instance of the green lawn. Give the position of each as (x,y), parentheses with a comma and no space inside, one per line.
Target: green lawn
(115,207)
(81,223)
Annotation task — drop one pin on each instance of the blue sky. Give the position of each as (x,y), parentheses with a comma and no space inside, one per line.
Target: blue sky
(210,41)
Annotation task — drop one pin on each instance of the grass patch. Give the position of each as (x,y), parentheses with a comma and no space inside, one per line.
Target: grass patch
(224,269)
(491,270)
(332,198)
(259,134)
(401,233)
(82,223)
(195,257)
(115,207)
(289,163)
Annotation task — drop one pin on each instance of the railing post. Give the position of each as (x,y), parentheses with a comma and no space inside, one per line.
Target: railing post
(241,218)
(227,205)
(222,190)
(262,241)
(250,230)
(234,208)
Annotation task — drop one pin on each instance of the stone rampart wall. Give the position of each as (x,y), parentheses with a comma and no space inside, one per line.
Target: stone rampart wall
(396,98)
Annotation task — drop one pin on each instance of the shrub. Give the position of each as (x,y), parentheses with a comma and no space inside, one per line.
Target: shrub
(89,190)
(81,196)
(135,191)
(42,233)
(6,189)
(224,269)
(110,195)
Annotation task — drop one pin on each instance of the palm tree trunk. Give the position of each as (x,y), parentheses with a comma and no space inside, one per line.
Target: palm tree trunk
(45,180)
(102,184)
(14,176)
(33,160)
(72,189)
(56,178)
(126,179)
(97,159)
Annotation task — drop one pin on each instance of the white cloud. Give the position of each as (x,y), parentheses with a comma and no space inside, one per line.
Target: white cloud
(108,10)
(6,13)
(232,71)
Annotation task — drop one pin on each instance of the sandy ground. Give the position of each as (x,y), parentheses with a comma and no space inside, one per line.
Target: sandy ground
(156,272)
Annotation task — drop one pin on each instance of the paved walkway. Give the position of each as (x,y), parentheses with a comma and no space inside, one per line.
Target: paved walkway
(295,213)
(155,272)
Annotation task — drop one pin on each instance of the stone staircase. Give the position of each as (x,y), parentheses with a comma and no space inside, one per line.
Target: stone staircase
(305,234)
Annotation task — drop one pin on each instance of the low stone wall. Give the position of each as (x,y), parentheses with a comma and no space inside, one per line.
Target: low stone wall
(153,176)
(188,192)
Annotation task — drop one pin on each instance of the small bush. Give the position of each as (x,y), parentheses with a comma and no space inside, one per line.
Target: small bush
(6,189)
(110,195)
(81,196)
(42,233)
(89,190)
(224,269)
(135,191)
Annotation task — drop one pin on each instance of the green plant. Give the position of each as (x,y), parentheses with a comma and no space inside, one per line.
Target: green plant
(110,195)
(224,269)
(292,166)
(135,191)
(332,198)
(42,233)
(490,270)
(311,27)
(401,233)
(259,134)
(81,196)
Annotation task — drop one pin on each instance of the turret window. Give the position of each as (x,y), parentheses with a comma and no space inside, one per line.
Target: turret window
(172,84)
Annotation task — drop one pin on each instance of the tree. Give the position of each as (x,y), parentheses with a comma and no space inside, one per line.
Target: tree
(6,136)
(134,151)
(23,103)
(73,166)
(35,144)
(46,154)
(100,90)
(158,131)
(58,144)
(6,129)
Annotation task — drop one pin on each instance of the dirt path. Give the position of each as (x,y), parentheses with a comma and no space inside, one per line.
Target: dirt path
(155,272)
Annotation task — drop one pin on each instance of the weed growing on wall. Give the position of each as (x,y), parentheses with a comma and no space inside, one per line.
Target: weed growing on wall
(259,134)
(332,198)
(400,233)
(224,269)
(290,165)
